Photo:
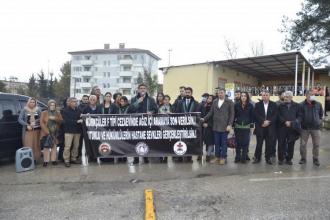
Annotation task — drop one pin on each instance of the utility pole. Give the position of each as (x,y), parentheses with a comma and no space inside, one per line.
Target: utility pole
(169,56)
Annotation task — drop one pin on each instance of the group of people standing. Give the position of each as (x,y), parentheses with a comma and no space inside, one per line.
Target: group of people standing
(283,122)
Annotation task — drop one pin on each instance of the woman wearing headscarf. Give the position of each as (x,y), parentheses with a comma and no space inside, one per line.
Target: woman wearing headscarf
(50,122)
(29,118)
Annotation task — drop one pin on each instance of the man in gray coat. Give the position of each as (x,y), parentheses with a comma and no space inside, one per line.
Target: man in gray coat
(222,115)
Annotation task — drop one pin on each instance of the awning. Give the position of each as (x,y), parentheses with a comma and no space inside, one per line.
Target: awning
(269,66)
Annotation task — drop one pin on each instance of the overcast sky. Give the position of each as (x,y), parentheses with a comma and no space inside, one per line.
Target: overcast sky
(37,32)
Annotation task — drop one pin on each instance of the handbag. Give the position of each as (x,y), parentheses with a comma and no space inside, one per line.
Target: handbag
(46,141)
(231,142)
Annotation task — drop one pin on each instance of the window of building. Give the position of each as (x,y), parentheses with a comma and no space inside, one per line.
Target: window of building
(118,80)
(126,79)
(86,79)
(87,57)
(76,57)
(78,79)
(86,91)
(77,69)
(104,63)
(118,57)
(126,68)
(108,85)
(127,57)
(109,62)
(104,74)
(104,85)
(126,91)
(135,56)
(108,74)
(87,68)
(78,90)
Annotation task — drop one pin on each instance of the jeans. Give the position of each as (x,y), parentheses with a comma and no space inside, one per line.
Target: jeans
(220,140)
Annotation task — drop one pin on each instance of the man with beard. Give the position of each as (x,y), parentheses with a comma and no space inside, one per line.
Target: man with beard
(188,104)
(237,96)
(179,98)
(143,103)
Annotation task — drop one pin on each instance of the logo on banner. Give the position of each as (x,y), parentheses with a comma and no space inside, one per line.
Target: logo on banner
(180,148)
(104,149)
(141,148)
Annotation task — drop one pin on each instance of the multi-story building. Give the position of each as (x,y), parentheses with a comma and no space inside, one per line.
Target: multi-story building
(113,70)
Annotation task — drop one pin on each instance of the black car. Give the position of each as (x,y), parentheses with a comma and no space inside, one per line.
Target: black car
(10,130)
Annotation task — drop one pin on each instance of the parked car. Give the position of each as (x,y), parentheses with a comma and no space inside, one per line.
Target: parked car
(10,130)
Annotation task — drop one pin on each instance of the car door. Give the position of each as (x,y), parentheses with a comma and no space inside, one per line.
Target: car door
(11,130)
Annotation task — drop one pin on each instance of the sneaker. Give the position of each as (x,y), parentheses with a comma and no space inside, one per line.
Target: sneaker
(237,160)
(222,162)
(280,162)
(45,164)
(54,163)
(75,162)
(67,164)
(316,162)
(302,161)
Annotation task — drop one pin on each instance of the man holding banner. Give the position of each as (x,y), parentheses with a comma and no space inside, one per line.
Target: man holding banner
(143,103)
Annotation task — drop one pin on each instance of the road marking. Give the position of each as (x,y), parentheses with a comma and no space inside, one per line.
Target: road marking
(150,209)
(287,178)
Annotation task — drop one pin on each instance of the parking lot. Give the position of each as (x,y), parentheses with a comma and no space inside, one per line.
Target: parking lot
(181,190)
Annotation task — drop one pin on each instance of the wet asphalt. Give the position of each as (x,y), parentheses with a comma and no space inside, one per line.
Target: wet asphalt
(181,190)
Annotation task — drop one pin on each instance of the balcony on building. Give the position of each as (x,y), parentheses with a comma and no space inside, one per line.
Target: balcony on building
(126,73)
(125,85)
(85,85)
(86,73)
(126,60)
(87,62)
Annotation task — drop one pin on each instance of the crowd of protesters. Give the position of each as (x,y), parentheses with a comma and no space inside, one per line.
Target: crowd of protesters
(279,123)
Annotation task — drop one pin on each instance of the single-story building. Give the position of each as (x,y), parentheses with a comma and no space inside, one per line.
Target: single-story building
(287,70)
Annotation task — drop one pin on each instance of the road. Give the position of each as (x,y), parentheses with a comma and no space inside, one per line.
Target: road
(181,190)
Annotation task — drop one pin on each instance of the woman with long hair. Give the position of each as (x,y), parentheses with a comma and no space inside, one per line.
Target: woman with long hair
(160,99)
(29,118)
(208,137)
(108,107)
(242,124)
(50,122)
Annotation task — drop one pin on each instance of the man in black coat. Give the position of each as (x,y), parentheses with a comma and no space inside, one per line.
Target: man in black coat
(179,98)
(311,121)
(188,103)
(92,108)
(265,127)
(288,128)
(143,103)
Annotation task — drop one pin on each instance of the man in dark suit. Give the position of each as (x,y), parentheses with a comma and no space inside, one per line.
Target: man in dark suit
(265,115)
(188,103)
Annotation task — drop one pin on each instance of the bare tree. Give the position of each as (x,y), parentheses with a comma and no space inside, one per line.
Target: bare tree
(231,49)
(257,48)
